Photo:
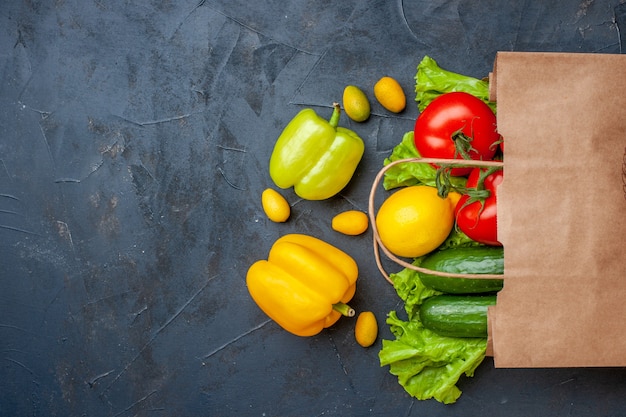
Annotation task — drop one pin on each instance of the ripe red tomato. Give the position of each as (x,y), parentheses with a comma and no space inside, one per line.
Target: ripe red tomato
(456,125)
(478,218)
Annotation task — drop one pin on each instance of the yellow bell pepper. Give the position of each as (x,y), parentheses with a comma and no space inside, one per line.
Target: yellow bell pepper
(304,284)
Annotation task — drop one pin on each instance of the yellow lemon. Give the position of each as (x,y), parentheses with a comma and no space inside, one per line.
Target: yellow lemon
(275,206)
(415,220)
(366,329)
(351,222)
(390,95)
(355,103)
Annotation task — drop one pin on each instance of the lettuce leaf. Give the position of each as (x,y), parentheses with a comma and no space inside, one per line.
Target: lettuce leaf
(408,174)
(431,81)
(427,365)
(410,289)
(457,238)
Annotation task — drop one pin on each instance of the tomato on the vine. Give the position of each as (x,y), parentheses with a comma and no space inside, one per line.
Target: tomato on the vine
(476,214)
(457,125)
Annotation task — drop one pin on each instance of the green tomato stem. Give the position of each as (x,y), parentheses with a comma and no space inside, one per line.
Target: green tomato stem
(334,118)
(344,309)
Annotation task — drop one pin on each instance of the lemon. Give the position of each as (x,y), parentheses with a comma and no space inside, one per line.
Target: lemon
(415,220)
(390,95)
(355,103)
(275,206)
(351,222)
(366,329)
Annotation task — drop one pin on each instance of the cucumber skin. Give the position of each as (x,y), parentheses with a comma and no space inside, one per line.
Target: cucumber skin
(457,315)
(465,260)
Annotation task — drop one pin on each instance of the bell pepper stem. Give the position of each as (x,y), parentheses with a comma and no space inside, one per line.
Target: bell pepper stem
(344,309)
(334,118)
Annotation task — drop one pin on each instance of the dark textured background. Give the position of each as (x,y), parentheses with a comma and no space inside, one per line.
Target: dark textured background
(134,145)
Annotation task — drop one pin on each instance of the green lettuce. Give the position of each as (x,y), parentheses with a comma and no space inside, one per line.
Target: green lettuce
(410,288)
(431,81)
(411,173)
(427,365)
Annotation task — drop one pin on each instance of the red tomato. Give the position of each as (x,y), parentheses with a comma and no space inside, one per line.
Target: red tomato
(456,125)
(478,218)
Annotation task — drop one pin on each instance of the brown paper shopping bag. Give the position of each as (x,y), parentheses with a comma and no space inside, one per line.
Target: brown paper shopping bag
(561,210)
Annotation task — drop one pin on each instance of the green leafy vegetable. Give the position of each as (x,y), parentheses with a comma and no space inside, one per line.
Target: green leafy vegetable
(431,81)
(412,173)
(427,365)
(410,288)
(457,238)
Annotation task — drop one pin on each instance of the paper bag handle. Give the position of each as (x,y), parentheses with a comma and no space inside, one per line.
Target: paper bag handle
(378,244)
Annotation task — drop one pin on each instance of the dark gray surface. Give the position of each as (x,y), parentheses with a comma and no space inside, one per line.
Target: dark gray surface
(134,147)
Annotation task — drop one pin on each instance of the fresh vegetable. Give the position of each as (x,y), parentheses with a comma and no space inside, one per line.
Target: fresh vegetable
(477,213)
(457,315)
(457,125)
(464,260)
(431,81)
(410,289)
(356,103)
(390,95)
(351,222)
(415,220)
(316,157)
(366,329)
(275,206)
(427,365)
(304,284)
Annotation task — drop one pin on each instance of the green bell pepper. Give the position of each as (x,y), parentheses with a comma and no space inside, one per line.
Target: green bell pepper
(315,156)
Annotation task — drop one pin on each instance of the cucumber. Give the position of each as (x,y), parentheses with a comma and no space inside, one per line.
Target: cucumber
(464,260)
(457,315)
